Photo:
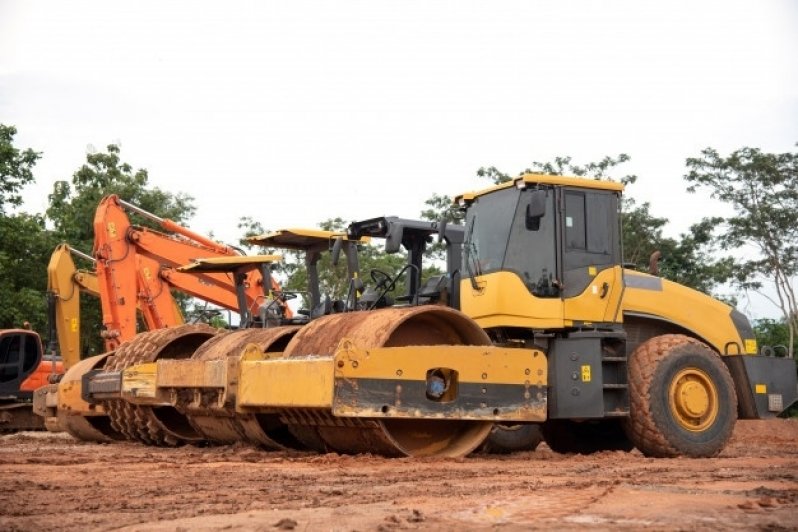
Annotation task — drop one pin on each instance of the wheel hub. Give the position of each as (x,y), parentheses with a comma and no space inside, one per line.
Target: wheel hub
(693,399)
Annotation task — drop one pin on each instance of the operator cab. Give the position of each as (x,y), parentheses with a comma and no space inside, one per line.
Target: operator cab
(20,356)
(549,244)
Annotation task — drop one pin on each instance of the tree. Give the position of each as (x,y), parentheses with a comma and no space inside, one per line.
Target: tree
(24,242)
(762,191)
(16,168)
(774,333)
(25,247)
(72,205)
(688,260)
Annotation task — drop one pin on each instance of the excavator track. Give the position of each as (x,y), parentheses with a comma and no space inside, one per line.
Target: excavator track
(392,327)
(161,426)
(225,425)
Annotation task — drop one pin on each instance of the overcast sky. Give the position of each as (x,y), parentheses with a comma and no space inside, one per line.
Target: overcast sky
(295,112)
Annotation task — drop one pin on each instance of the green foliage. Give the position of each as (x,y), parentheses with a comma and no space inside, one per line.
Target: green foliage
(770,332)
(25,244)
(762,191)
(71,209)
(72,203)
(16,168)
(691,259)
(25,247)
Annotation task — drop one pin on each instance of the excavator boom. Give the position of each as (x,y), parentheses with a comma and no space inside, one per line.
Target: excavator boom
(125,251)
(64,284)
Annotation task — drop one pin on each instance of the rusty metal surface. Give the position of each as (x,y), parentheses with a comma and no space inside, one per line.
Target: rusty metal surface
(232,343)
(224,425)
(392,327)
(156,425)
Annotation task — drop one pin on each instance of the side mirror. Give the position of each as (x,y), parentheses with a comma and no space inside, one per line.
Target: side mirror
(393,240)
(535,210)
(338,244)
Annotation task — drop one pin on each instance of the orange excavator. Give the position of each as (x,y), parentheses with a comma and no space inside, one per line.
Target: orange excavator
(24,364)
(135,272)
(125,251)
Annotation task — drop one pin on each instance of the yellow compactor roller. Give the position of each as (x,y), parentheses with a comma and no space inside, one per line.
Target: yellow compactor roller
(543,325)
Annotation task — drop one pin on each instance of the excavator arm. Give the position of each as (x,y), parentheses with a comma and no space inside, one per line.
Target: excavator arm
(125,251)
(64,284)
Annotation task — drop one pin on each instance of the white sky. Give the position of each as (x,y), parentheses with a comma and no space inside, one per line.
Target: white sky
(295,112)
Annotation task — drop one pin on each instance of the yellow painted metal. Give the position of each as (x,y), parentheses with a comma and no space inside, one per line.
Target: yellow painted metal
(228,264)
(80,419)
(301,382)
(590,306)
(139,383)
(693,399)
(566,181)
(542,179)
(300,239)
(191,374)
(750,346)
(474,364)
(707,318)
(65,282)
(503,300)
(70,399)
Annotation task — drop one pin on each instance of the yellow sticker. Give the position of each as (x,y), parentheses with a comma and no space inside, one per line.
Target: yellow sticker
(73,325)
(111,229)
(591,270)
(761,388)
(585,373)
(146,272)
(750,346)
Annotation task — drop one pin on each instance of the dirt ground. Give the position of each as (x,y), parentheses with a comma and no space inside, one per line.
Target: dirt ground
(50,482)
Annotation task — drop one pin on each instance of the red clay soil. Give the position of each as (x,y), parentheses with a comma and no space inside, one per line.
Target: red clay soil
(50,482)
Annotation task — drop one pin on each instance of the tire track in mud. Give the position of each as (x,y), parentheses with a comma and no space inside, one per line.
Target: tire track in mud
(53,483)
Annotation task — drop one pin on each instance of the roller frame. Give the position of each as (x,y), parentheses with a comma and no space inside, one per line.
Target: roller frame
(495,383)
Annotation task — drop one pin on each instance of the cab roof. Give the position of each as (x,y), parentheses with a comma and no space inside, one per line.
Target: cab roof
(300,239)
(228,264)
(544,179)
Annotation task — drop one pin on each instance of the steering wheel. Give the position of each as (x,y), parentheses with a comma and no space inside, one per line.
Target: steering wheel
(382,280)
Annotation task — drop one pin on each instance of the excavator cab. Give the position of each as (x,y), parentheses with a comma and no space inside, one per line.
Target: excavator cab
(23,369)
(20,355)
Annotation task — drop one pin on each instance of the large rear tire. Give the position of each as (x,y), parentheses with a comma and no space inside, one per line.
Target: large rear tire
(682,398)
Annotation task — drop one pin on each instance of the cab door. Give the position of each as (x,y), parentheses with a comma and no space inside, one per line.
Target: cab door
(592,277)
